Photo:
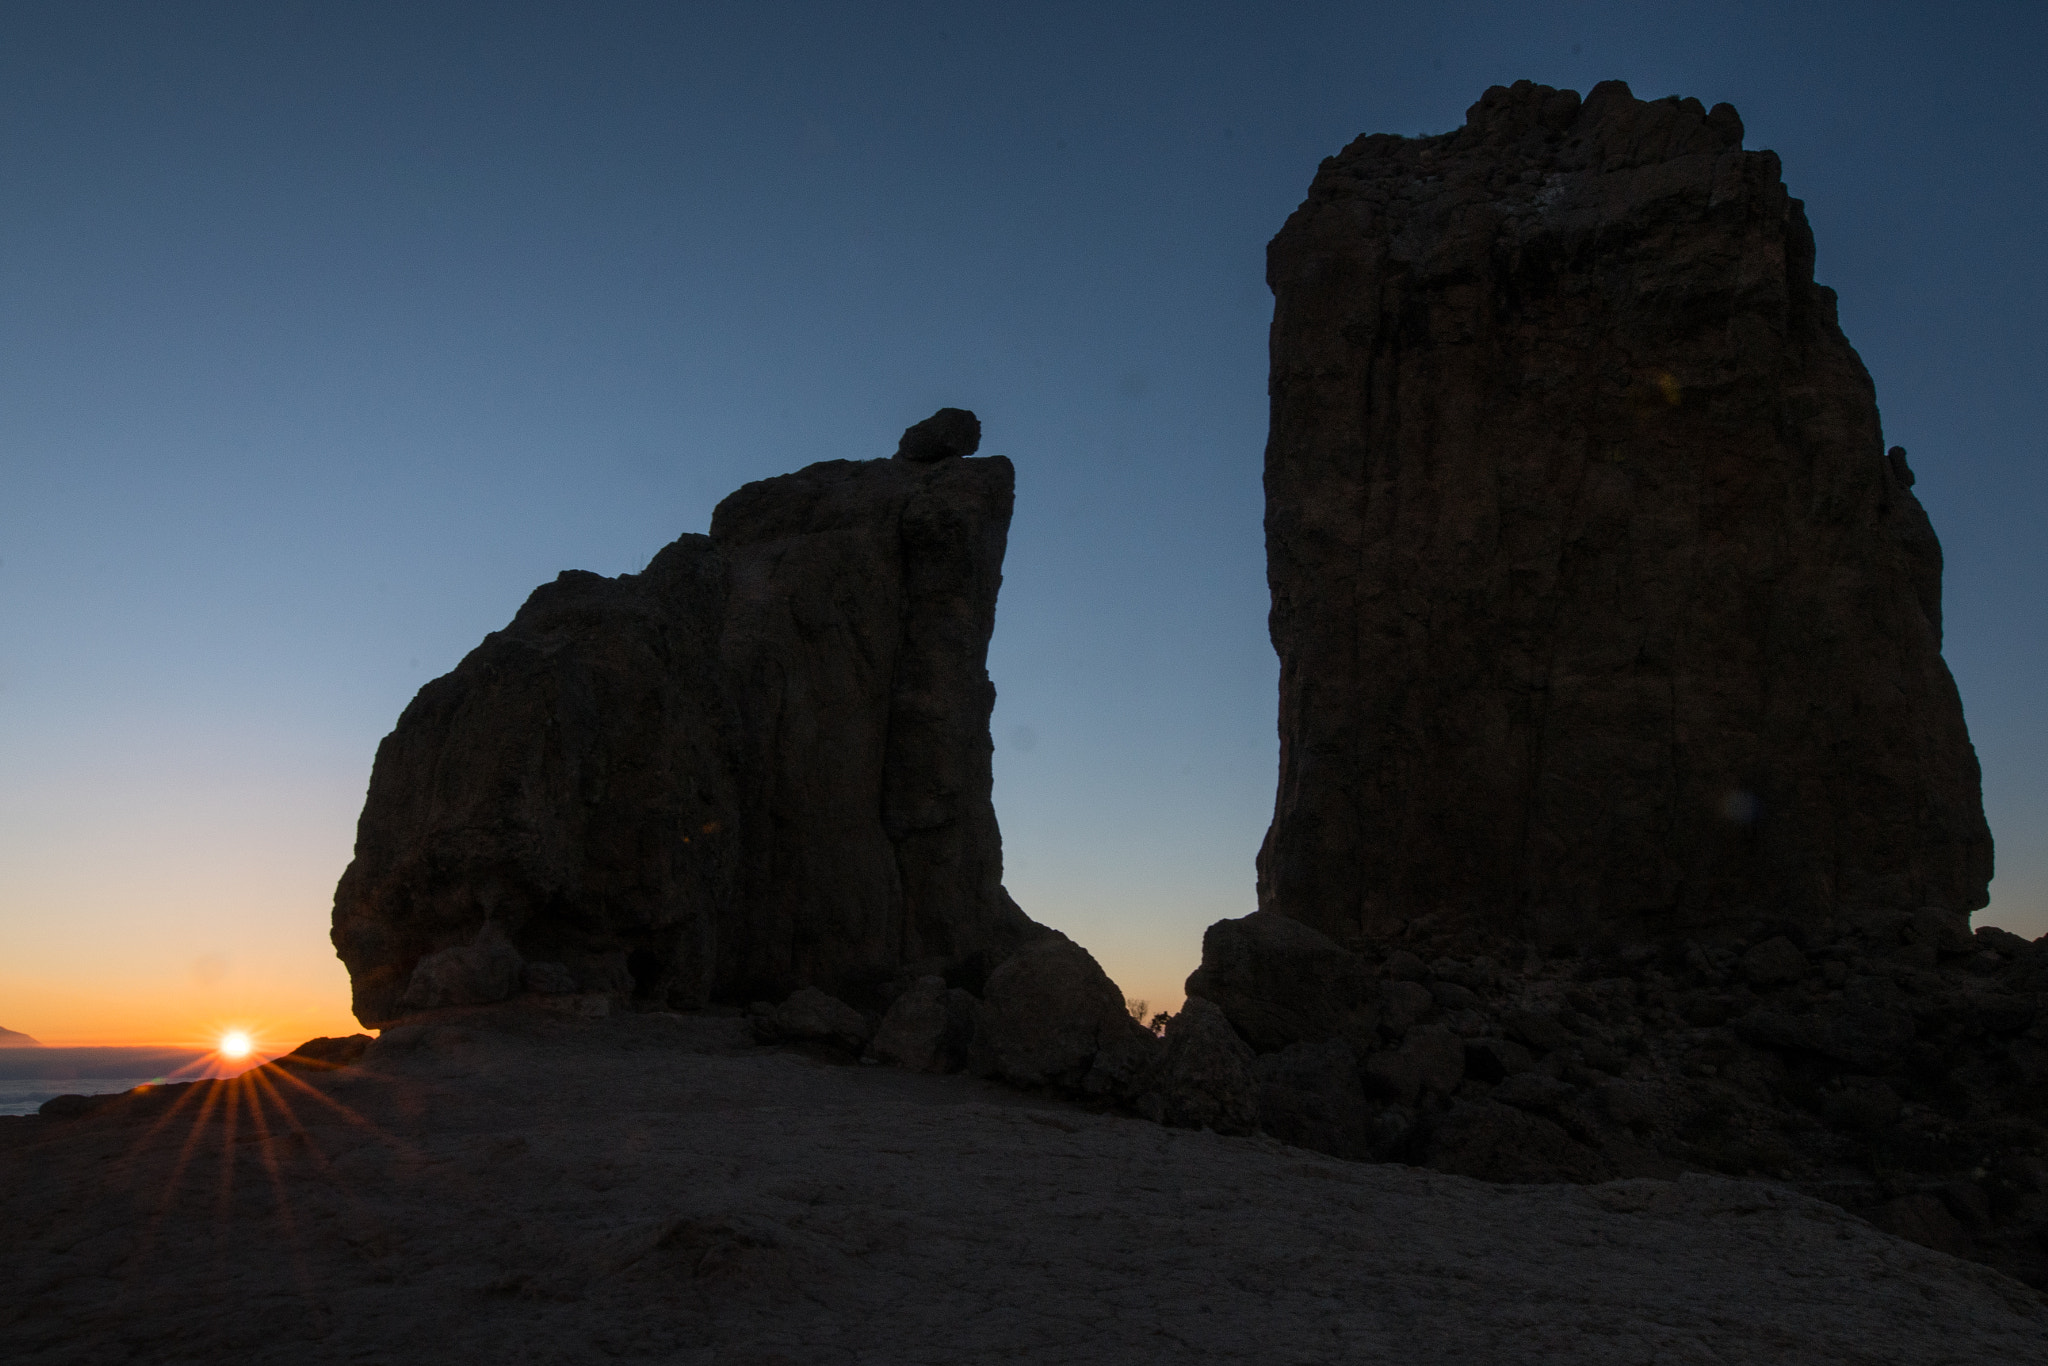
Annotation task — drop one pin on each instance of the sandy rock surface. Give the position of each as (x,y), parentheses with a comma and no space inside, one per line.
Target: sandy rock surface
(513,1186)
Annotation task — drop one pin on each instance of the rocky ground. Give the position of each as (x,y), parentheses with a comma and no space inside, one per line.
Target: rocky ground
(515,1184)
(1900,1072)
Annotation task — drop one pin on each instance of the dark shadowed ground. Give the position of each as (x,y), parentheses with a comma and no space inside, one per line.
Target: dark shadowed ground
(512,1186)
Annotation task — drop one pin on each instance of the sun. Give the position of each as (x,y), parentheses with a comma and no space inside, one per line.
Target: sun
(235,1045)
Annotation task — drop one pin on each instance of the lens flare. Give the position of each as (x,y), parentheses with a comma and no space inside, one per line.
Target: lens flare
(235,1045)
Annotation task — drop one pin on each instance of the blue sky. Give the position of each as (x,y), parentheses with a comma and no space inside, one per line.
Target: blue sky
(327,331)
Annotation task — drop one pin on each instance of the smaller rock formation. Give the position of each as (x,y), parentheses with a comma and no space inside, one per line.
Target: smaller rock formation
(761,764)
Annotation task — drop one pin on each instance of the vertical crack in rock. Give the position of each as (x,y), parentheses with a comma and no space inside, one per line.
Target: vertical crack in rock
(1602,612)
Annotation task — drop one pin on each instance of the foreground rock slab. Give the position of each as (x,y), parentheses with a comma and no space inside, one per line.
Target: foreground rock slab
(507,1185)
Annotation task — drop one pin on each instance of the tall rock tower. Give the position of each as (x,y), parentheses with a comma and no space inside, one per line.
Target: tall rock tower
(1602,611)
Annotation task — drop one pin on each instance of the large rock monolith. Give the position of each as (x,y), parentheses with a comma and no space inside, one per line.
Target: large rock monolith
(762,764)
(1602,611)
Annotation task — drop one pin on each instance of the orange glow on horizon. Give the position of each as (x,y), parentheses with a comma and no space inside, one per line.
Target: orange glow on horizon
(279,1011)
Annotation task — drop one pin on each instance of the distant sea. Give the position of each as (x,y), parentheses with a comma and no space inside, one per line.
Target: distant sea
(30,1076)
(27,1097)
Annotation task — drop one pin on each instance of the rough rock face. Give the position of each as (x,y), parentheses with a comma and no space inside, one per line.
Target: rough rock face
(1051,1017)
(860,603)
(568,789)
(761,764)
(1602,613)
(1897,1071)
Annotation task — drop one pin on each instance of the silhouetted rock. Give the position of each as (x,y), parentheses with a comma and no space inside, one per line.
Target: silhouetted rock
(761,764)
(1866,1070)
(1204,1080)
(570,785)
(10,1038)
(862,596)
(1625,801)
(325,1054)
(472,974)
(929,1027)
(1310,1094)
(948,432)
(1052,1017)
(1278,981)
(810,1016)
(1602,613)
(547,979)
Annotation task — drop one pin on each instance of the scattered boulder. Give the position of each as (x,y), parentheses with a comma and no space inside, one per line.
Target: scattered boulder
(325,1054)
(1860,1034)
(1551,561)
(1923,1219)
(547,979)
(928,1028)
(1867,1078)
(1402,1003)
(1491,1059)
(1773,963)
(1310,1095)
(1051,1017)
(1486,1139)
(1429,1062)
(1535,1092)
(472,974)
(1279,982)
(810,1016)
(1205,1079)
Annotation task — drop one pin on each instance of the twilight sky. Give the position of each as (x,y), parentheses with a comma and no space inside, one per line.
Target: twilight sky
(328,331)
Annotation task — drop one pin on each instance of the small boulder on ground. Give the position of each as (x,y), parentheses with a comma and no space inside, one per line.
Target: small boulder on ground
(810,1016)
(1052,1017)
(1775,962)
(1278,981)
(1310,1096)
(473,974)
(1205,1079)
(325,1054)
(929,1028)
(1430,1061)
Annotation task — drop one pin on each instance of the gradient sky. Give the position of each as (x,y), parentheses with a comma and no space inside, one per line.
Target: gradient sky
(328,331)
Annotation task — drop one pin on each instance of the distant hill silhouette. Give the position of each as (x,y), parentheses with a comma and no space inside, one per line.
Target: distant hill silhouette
(11,1038)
